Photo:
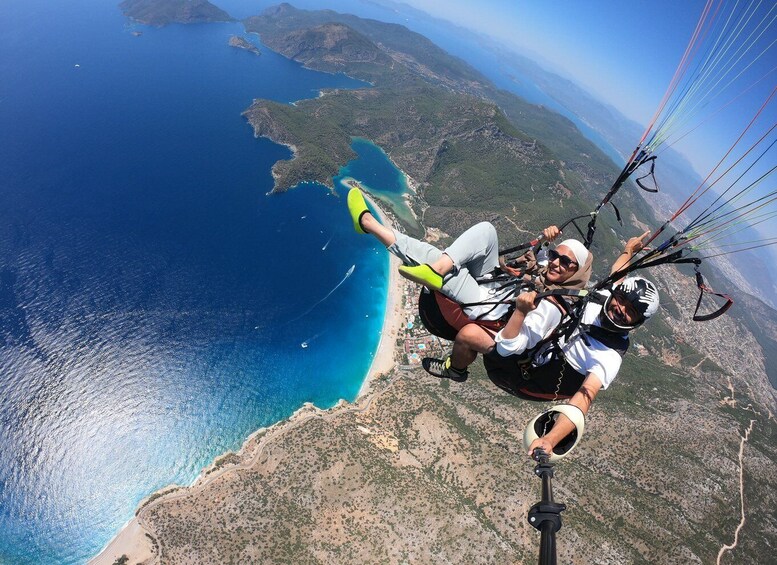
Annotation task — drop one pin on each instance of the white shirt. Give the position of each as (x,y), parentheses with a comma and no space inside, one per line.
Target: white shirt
(595,358)
(537,325)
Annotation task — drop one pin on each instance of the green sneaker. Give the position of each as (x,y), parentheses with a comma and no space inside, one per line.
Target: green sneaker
(422,274)
(357,207)
(442,368)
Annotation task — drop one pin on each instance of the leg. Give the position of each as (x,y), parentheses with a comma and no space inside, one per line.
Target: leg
(471,340)
(473,254)
(460,286)
(418,256)
(477,249)
(411,251)
(443,265)
(372,226)
(364,221)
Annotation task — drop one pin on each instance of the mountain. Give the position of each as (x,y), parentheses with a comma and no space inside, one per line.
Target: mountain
(754,313)
(438,118)
(756,272)
(331,45)
(417,52)
(163,12)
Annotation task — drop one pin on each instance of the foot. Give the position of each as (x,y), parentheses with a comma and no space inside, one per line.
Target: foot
(422,274)
(442,368)
(357,207)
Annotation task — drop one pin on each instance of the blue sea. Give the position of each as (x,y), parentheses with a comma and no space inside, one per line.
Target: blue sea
(154,299)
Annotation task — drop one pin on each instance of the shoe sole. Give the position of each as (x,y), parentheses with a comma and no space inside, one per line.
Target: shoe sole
(357,207)
(419,280)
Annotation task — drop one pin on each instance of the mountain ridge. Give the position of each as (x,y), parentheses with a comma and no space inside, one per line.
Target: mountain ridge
(156,13)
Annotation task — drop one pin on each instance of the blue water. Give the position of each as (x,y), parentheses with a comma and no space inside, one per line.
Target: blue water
(147,282)
(378,176)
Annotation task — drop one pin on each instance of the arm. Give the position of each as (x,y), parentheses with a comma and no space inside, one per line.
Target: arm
(548,234)
(524,330)
(583,399)
(524,303)
(633,245)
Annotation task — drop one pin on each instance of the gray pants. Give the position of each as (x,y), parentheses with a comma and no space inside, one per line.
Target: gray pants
(474,253)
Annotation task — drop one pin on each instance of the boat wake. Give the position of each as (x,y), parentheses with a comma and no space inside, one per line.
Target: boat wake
(338,285)
(306,343)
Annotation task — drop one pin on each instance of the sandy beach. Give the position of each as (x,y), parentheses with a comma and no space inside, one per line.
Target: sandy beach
(384,359)
(131,541)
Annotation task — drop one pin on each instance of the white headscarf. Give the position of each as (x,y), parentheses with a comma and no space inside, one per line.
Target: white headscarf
(578,250)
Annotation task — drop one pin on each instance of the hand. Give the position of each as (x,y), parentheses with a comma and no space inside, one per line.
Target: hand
(507,269)
(634,245)
(543,444)
(524,302)
(550,233)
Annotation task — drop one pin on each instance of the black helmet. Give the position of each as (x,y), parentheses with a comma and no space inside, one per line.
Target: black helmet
(643,296)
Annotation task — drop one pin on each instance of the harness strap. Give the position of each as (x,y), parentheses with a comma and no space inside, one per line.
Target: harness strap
(556,298)
(616,341)
(651,173)
(704,288)
(567,326)
(677,258)
(539,239)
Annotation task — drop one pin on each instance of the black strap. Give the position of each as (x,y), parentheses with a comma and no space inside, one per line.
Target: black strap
(650,174)
(677,259)
(559,292)
(516,282)
(498,275)
(569,321)
(617,214)
(618,342)
(640,159)
(702,289)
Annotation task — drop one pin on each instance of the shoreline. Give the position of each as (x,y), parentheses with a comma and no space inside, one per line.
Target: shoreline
(133,540)
(384,359)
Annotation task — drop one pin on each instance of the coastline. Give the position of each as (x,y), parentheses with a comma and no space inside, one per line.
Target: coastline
(133,539)
(384,360)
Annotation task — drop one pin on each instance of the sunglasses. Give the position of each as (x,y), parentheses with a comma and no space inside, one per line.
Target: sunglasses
(563,260)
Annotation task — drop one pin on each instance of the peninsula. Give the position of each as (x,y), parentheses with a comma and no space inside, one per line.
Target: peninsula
(242,43)
(472,151)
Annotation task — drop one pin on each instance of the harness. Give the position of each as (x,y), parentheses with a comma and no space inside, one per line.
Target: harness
(521,375)
(444,317)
